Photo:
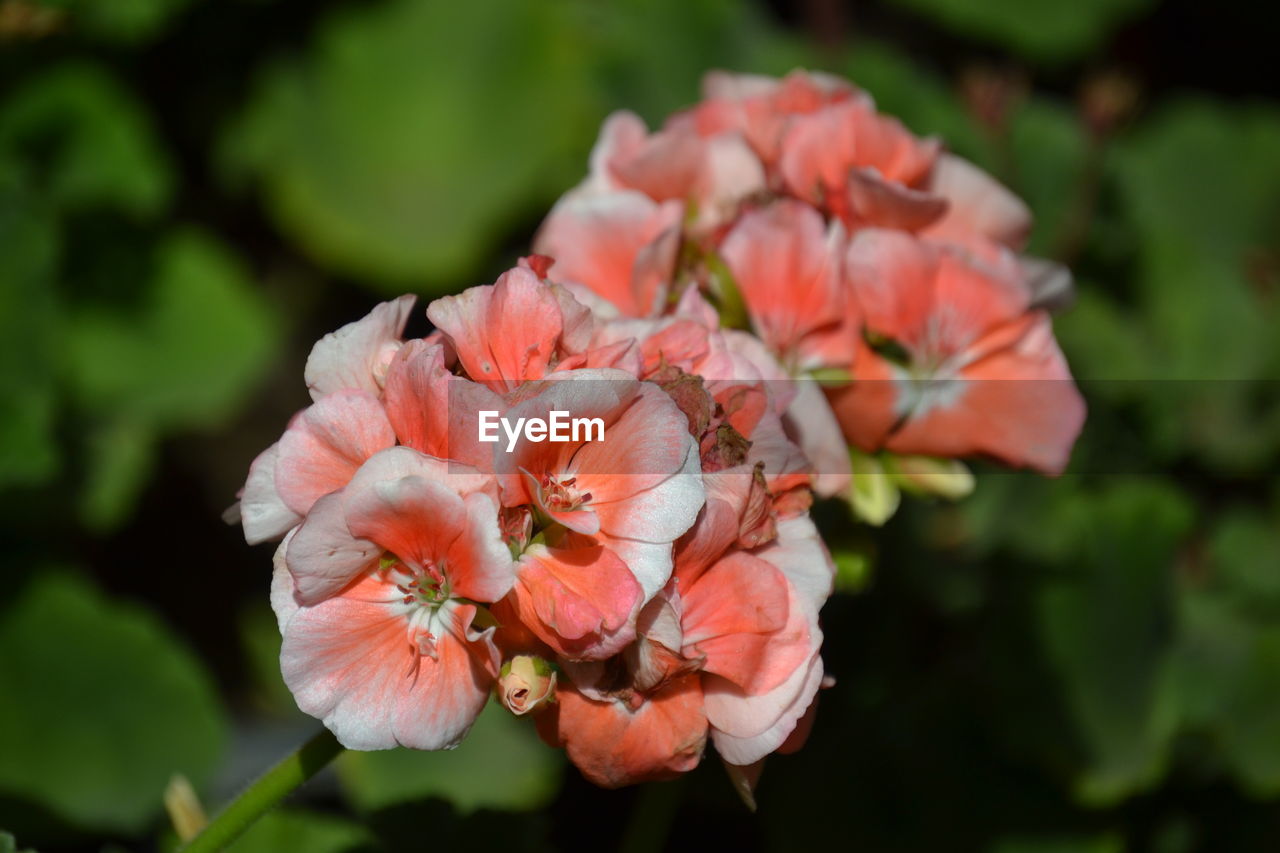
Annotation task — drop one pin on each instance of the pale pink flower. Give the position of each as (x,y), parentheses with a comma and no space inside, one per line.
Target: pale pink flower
(376,594)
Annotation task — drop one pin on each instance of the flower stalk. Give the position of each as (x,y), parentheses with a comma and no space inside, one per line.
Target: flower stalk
(264,794)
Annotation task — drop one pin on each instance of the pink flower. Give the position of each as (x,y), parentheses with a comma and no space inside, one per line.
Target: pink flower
(788,266)
(517,330)
(612,506)
(761,108)
(376,596)
(863,167)
(435,412)
(615,250)
(711,171)
(614,744)
(976,370)
(728,650)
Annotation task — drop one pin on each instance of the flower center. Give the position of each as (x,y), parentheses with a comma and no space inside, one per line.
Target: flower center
(562,495)
(424,585)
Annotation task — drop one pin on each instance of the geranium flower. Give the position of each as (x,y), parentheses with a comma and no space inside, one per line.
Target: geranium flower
(958,362)
(377,594)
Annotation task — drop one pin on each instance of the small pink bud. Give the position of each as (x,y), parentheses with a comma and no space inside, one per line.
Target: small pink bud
(526,683)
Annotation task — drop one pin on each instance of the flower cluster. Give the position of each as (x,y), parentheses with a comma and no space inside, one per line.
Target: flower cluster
(656,583)
(856,251)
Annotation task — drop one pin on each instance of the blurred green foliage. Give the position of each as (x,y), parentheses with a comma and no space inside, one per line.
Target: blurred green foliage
(102,705)
(191,192)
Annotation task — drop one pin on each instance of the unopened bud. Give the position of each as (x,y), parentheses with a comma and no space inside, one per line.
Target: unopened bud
(526,683)
(946,478)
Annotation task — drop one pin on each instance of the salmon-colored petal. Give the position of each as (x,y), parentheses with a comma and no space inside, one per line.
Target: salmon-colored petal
(820,149)
(504,333)
(893,278)
(479,563)
(747,728)
(799,553)
(644,448)
(715,530)
(788,269)
(579,601)
(356,355)
(613,245)
(870,200)
(395,463)
(978,206)
(869,407)
(615,745)
(348,661)
(321,449)
(406,504)
(1017,404)
(741,617)
(434,411)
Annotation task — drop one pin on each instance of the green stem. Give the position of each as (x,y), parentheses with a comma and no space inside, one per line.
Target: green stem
(260,797)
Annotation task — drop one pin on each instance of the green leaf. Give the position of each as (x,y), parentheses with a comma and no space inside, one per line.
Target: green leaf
(500,765)
(1043,30)
(204,336)
(1201,233)
(28,339)
(186,359)
(1050,148)
(1243,554)
(118,20)
(696,35)
(1228,679)
(411,136)
(119,459)
(84,141)
(292,829)
(102,705)
(9,844)
(1107,629)
(1196,228)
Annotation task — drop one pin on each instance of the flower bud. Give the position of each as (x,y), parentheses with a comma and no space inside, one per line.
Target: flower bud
(945,478)
(526,683)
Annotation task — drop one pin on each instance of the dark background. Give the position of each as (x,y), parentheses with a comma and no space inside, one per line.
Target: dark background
(192,192)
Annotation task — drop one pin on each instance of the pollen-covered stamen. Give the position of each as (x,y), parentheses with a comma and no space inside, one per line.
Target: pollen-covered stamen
(423,591)
(418,584)
(562,495)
